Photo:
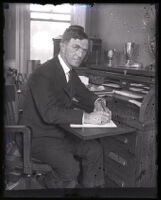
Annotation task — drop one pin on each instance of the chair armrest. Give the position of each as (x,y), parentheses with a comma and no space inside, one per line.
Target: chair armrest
(26,133)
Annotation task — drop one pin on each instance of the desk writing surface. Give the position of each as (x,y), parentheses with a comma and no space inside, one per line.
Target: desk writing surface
(93,133)
(106,125)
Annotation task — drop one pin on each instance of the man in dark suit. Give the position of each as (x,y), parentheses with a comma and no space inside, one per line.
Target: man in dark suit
(49,103)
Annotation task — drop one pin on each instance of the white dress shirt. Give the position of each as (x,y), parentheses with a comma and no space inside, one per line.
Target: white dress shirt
(66,69)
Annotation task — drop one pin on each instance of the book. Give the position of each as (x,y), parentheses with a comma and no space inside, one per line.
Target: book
(110,124)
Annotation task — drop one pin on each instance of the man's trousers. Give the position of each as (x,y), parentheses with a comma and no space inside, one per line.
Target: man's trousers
(60,155)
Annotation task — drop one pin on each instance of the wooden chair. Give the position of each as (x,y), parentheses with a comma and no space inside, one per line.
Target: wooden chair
(26,166)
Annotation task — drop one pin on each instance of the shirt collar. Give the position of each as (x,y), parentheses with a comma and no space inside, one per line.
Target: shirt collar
(64,66)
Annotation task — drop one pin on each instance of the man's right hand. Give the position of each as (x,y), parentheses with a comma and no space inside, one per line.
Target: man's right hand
(97,117)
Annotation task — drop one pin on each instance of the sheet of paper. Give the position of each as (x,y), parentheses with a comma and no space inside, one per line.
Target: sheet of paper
(104,93)
(145,91)
(111,124)
(136,84)
(96,88)
(114,85)
(84,80)
(136,89)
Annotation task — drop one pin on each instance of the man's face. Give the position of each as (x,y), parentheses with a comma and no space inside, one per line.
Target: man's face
(74,51)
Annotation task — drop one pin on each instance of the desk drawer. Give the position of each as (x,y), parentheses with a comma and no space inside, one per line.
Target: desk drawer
(125,142)
(126,172)
(123,176)
(120,165)
(119,181)
(120,156)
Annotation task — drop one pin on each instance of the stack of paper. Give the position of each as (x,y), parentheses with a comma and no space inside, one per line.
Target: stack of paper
(111,124)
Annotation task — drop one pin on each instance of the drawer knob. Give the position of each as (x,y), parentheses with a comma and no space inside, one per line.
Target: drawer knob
(122,139)
(125,140)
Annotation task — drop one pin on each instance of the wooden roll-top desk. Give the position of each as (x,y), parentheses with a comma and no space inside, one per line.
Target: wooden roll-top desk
(129,159)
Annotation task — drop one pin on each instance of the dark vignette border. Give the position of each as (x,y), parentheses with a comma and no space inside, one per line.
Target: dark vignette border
(114,193)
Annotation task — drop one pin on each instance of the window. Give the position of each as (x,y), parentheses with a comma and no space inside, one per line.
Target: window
(47,22)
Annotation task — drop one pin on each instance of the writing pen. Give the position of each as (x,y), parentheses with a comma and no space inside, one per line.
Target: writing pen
(103,106)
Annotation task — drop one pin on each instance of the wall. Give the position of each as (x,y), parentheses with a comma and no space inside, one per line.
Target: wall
(9,35)
(117,24)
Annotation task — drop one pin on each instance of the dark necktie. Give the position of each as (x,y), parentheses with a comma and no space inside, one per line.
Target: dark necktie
(70,84)
(69,76)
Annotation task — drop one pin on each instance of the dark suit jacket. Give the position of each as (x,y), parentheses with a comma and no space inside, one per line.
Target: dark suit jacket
(48,100)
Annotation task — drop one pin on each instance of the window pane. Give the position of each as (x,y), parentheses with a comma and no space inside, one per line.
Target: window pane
(42,33)
(65,8)
(50,16)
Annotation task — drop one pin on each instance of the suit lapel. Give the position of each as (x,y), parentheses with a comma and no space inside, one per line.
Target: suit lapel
(62,78)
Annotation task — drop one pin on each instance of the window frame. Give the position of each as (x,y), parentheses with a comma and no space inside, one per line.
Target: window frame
(51,12)
(49,20)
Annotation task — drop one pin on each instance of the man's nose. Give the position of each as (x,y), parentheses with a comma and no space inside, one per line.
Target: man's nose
(80,53)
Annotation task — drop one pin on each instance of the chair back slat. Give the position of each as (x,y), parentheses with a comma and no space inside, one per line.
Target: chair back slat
(11,105)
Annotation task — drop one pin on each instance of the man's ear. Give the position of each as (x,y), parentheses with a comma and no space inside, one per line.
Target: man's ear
(62,47)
